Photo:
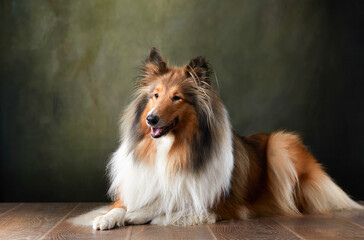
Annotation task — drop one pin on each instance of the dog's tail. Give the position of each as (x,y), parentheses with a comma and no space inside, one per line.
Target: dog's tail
(87,218)
(297,182)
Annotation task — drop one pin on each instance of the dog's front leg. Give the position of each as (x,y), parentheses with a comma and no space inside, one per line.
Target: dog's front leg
(115,217)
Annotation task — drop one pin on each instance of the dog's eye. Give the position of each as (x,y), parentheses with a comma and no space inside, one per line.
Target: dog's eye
(156,95)
(176,98)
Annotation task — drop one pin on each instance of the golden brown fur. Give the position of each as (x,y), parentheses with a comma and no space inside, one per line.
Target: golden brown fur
(274,174)
(167,87)
(267,174)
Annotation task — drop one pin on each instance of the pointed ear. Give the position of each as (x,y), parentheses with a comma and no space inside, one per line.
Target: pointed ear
(198,67)
(155,64)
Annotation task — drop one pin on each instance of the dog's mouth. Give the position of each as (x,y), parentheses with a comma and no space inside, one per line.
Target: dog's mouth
(159,132)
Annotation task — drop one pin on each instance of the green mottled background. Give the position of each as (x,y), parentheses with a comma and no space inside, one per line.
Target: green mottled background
(67,71)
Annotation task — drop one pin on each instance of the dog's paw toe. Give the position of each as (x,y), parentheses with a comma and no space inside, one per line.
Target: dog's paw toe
(114,218)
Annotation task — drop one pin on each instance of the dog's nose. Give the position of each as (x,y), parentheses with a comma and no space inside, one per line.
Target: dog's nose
(152,119)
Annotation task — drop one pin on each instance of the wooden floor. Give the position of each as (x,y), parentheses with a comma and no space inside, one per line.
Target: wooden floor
(49,221)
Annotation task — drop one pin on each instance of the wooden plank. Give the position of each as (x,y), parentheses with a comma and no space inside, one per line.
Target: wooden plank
(32,220)
(5,207)
(66,230)
(170,232)
(49,220)
(322,227)
(259,228)
(354,216)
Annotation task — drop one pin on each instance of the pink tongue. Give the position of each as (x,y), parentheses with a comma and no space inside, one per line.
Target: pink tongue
(156,131)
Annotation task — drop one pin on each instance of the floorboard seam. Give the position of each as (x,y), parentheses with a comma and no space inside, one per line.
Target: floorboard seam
(61,220)
(290,230)
(130,231)
(11,209)
(208,227)
(347,220)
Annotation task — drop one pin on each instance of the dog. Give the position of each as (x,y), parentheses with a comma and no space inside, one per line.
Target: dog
(180,162)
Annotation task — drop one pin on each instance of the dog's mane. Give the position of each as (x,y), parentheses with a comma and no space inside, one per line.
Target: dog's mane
(200,94)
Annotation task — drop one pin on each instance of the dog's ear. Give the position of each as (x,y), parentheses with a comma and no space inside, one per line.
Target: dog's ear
(199,69)
(155,64)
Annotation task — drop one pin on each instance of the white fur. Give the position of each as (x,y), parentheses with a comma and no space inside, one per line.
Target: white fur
(114,218)
(324,195)
(151,111)
(151,192)
(87,218)
(186,220)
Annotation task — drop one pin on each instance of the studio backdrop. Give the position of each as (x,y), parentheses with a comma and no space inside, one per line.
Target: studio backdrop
(68,70)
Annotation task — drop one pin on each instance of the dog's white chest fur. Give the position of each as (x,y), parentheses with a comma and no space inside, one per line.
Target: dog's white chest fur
(154,190)
(163,145)
(141,184)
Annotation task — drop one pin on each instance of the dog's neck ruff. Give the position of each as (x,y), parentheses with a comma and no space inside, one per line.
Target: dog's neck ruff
(141,185)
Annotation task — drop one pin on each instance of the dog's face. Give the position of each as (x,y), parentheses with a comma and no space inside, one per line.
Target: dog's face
(169,108)
(172,95)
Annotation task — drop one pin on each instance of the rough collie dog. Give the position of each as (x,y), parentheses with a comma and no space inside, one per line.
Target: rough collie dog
(180,162)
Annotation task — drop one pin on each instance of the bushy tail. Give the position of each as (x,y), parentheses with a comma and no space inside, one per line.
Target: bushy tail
(297,182)
(87,218)
(319,194)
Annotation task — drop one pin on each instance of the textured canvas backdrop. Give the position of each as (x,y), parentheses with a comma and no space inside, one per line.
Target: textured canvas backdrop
(68,67)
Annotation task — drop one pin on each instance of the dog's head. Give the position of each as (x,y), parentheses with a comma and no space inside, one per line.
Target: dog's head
(176,97)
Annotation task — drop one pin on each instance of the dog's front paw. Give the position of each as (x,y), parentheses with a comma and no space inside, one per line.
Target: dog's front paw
(113,218)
